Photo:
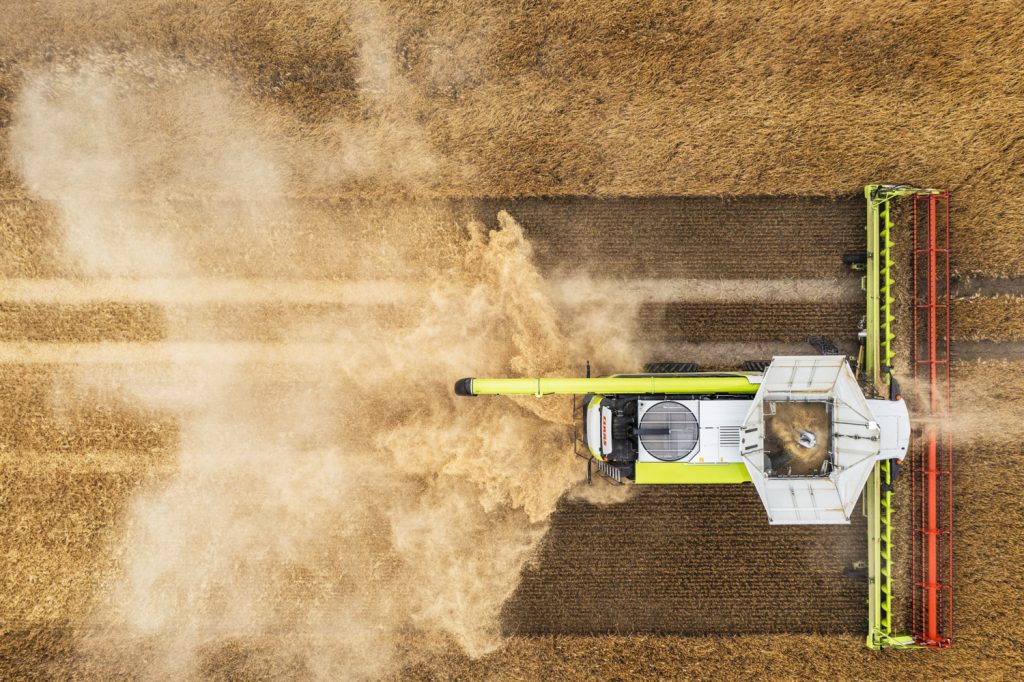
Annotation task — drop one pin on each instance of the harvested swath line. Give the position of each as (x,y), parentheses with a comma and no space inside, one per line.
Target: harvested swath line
(692,338)
(158,310)
(147,322)
(729,354)
(183,291)
(713,351)
(294,238)
(988,350)
(586,291)
(52,646)
(57,408)
(988,286)
(199,352)
(571,290)
(740,237)
(47,414)
(689,559)
(749,321)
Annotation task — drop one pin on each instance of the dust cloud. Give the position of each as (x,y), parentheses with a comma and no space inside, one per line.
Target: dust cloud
(983,404)
(335,509)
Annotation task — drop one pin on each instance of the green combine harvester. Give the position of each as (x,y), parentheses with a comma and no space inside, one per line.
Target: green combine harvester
(813,433)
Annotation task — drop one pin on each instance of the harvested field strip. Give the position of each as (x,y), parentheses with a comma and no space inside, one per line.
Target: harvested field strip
(579,291)
(148,322)
(152,313)
(988,350)
(747,237)
(988,318)
(749,321)
(184,291)
(201,352)
(728,354)
(1011,286)
(329,239)
(675,328)
(689,559)
(702,237)
(135,436)
(51,648)
(570,291)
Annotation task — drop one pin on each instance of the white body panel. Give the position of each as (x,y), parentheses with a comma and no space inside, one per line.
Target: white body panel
(894,427)
(863,432)
(720,423)
(594,428)
(791,501)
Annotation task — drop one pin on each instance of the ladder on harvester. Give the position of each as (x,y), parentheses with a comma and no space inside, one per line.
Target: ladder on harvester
(878,353)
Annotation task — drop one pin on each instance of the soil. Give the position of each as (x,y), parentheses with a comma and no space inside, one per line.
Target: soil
(689,560)
(699,237)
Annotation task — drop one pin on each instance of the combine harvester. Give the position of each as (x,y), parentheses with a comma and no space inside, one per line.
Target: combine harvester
(801,430)
(812,433)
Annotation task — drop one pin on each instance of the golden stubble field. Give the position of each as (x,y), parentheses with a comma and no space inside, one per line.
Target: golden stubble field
(237,284)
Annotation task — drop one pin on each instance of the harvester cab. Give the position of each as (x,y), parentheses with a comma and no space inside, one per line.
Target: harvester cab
(801,431)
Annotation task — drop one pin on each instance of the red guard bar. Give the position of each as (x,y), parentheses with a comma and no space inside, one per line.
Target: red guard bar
(933,523)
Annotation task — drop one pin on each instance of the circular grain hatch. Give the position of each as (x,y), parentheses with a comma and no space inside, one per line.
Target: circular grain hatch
(668,431)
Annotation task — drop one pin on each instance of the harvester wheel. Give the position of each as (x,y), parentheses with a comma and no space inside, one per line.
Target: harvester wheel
(858,571)
(671,367)
(823,345)
(755,365)
(855,258)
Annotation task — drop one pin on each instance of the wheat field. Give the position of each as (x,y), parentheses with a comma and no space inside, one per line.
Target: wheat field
(247,247)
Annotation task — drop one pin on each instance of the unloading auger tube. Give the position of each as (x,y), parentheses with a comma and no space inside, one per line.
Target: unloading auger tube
(737,384)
